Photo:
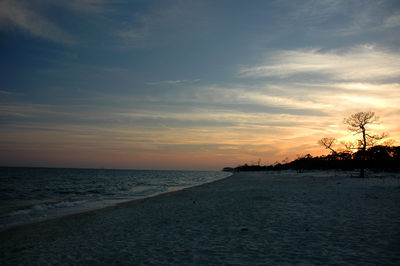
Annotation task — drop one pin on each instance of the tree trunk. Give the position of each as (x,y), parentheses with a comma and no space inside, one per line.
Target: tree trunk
(363,151)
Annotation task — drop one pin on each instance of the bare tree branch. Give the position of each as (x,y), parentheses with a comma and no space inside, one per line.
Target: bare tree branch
(349,145)
(327,142)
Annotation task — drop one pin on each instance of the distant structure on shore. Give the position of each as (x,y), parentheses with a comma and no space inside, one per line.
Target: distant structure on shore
(228,169)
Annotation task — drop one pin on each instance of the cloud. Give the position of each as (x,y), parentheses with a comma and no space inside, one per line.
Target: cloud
(364,62)
(30,17)
(315,11)
(172,81)
(131,34)
(337,17)
(5,92)
(21,15)
(392,21)
(368,87)
(90,6)
(259,99)
(164,22)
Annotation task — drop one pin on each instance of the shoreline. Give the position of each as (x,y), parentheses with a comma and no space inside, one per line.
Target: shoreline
(247,218)
(111,204)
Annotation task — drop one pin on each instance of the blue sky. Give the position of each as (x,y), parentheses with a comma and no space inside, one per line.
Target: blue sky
(190,84)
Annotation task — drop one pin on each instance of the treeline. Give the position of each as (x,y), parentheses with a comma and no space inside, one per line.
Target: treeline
(380,157)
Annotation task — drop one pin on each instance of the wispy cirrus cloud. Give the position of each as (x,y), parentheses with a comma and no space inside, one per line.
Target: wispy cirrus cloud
(314,12)
(368,87)
(393,21)
(21,15)
(317,16)
(90,6)
(31,17)
(4,92)
(167,19)
(177,81)
(364,62)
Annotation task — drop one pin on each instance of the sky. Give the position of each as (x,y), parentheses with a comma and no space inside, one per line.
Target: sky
(191,84)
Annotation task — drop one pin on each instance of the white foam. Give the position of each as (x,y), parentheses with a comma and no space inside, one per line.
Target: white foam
(40,208)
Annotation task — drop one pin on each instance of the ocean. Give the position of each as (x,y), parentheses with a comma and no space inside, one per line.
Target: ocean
(35,194)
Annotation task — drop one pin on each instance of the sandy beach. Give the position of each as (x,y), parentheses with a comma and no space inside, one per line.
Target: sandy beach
(273,218)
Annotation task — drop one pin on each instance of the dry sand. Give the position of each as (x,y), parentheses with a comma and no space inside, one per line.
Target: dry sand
(249,218)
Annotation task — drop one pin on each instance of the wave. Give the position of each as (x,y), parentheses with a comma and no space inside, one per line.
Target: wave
(40,208)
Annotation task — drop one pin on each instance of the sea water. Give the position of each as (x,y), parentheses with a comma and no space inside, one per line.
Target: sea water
(34,194)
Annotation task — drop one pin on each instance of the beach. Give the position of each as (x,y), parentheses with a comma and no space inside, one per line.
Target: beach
(275,218)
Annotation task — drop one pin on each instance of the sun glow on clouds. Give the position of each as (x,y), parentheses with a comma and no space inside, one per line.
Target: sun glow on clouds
(342,82)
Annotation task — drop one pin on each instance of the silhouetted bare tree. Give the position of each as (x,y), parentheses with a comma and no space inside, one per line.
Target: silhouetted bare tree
(357,123)
(328,142)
